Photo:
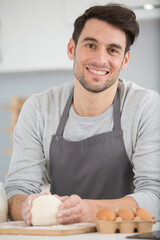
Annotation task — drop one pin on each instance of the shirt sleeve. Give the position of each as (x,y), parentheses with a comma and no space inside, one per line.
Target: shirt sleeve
(27,166)
(146,155)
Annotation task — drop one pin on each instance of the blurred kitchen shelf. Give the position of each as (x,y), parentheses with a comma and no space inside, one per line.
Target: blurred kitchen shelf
(14,108)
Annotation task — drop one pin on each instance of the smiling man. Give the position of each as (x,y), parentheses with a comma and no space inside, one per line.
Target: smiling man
(96,140)
(98,58)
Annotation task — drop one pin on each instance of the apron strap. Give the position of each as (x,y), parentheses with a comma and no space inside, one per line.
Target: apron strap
(116,114)
(64,117)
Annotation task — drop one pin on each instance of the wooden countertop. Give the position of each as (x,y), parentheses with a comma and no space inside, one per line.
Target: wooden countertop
(86,236)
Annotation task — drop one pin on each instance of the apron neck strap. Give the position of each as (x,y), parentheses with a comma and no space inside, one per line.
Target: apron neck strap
(116,113)
(65,115)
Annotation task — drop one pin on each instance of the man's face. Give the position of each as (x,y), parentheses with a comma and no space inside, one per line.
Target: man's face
(99,55)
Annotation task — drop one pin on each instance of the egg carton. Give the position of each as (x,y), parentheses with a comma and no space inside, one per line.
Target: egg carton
(122,226)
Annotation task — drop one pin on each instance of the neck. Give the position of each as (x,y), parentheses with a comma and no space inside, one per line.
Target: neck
(88,104)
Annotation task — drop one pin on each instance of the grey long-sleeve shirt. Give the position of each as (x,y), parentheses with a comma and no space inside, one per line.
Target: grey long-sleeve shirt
(39,119)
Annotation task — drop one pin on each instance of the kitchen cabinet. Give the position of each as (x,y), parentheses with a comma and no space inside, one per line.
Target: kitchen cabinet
(33,35)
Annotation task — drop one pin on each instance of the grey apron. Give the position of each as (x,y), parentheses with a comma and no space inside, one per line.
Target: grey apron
(93,168)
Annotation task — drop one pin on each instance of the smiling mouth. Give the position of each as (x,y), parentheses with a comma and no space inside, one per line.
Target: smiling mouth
(97,72)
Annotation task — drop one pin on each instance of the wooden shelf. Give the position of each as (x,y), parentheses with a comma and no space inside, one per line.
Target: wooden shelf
(7,151)
(14,108)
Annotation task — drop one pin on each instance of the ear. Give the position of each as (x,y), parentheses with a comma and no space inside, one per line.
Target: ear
(70,49)
(125,60)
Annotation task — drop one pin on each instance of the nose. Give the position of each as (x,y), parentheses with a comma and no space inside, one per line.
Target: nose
(101,57)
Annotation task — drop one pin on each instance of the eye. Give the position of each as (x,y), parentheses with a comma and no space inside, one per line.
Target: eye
(113,51)
(90,45)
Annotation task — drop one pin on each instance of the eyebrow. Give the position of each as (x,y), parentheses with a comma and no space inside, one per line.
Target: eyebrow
(89,39)
(95,40)
(115,45)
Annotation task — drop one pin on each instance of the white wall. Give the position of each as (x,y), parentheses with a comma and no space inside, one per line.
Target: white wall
(144,63)
(33,35)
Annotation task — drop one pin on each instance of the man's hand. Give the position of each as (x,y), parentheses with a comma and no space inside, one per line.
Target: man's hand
(26,207)
(74,209)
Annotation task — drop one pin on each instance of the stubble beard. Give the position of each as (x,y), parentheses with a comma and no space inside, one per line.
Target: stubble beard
(89,88)
(97,89)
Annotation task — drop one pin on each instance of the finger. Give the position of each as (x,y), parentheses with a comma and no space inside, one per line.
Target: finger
(29,203)
(72,201)
(64,198)
(69,219)
(68,213)
(28,222)
(27,218)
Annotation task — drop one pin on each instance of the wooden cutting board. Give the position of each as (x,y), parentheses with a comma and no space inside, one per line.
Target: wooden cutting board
(20,228)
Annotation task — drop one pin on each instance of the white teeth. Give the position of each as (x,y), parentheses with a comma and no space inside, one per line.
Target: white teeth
(101,73)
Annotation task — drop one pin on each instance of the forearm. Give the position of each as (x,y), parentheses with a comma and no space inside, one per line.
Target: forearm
(15,206)
(96,205)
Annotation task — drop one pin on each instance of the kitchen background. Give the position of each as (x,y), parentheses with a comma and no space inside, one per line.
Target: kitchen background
(33,51)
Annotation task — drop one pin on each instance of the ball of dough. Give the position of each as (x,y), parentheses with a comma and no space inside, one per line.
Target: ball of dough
(44,209)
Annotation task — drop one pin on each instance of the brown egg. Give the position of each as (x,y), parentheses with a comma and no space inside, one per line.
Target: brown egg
(106,214)
(144,214)
(126,214)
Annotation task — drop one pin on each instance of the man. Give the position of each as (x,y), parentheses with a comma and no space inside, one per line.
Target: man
(98,139)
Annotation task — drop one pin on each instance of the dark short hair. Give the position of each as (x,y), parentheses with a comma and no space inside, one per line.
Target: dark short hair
(115,14)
